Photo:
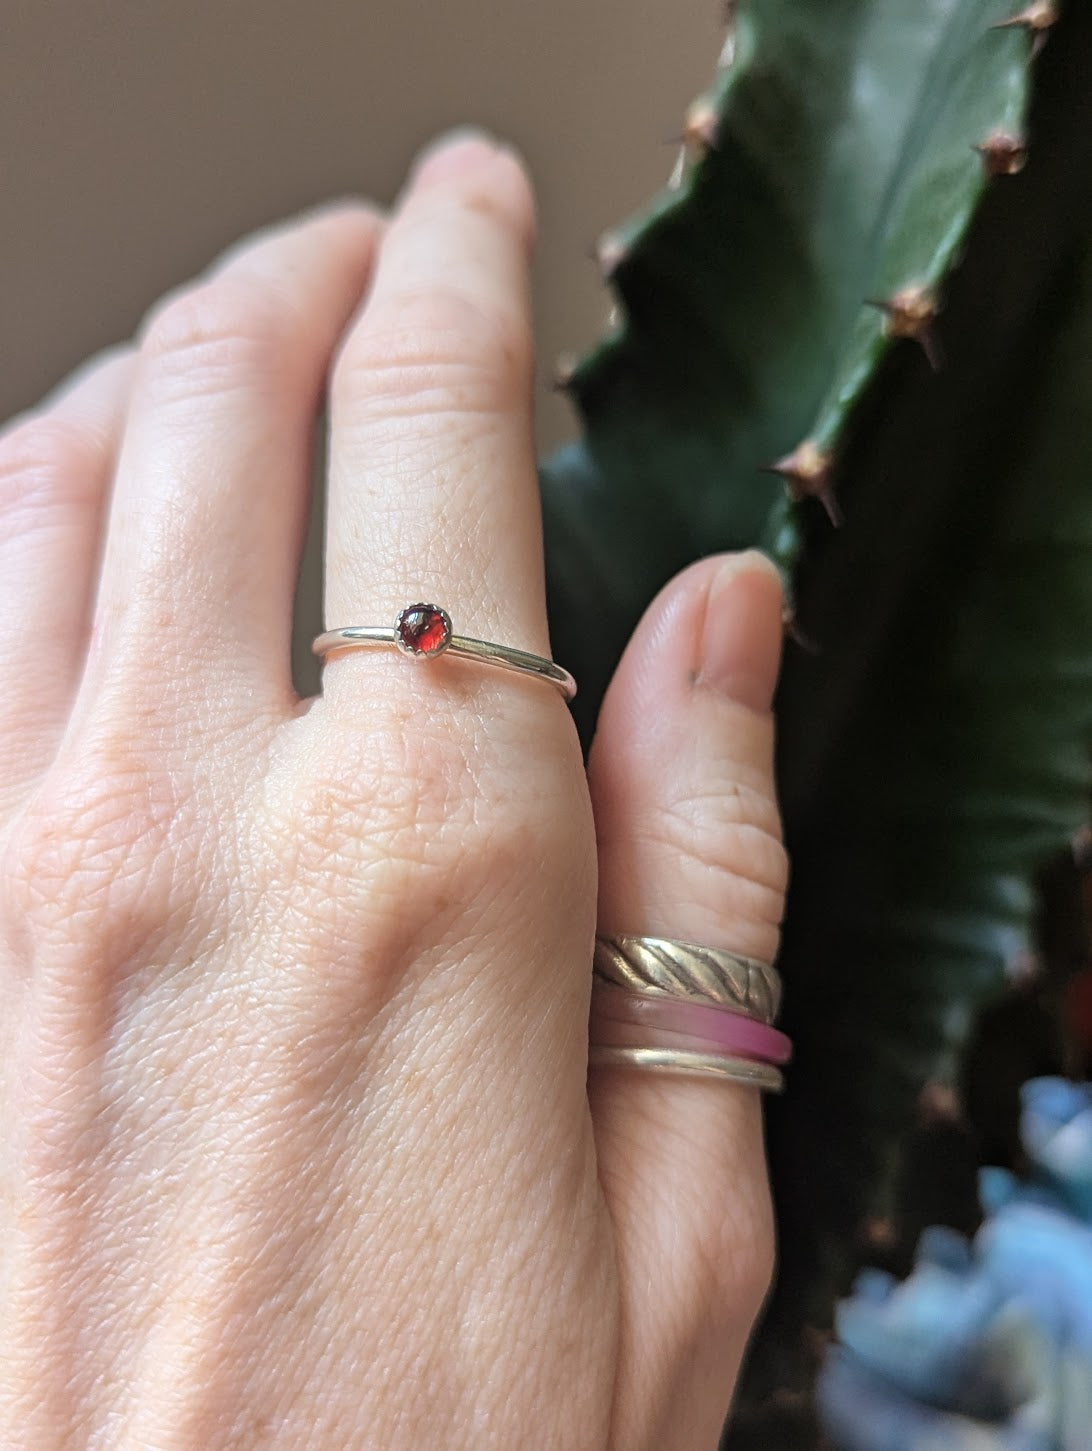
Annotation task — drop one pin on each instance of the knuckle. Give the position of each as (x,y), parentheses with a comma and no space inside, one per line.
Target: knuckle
(206,336)
(735,834)
(402,820)
(363,799)
(735,1258)
(731,874)
(366,826)
(437,353)
(47,461)
(744,1273)
(92,860)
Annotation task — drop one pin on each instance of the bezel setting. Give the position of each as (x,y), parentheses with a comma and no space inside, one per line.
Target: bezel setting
(423,631)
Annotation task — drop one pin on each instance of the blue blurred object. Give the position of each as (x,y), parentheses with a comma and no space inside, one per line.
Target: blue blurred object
(986,1346)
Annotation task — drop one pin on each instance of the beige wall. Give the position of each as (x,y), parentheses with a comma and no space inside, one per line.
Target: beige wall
(139,136)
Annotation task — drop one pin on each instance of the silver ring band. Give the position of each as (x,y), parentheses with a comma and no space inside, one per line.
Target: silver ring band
(695,1065)
(664,967)
(423,631)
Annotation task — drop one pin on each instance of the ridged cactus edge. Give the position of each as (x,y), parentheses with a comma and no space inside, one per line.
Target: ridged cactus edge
(870,275)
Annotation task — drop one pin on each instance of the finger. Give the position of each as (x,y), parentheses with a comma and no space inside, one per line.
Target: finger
(681,776)
(209,506)
(56,464)
(433,492)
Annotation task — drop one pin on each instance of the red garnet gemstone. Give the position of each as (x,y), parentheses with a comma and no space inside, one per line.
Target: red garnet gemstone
(423,629)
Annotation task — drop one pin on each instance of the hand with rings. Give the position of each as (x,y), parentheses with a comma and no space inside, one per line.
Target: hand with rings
(300,1143)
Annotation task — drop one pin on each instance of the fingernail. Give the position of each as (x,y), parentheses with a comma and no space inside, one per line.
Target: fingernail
(441,153)
(740,652)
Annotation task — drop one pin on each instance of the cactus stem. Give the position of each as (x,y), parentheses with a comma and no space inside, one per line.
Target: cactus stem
(608,253)
(1002,153)
(910,314)
(702,125)
(807,471)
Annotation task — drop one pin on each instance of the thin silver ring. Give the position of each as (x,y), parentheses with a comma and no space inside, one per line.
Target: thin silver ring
(436,625)
(694,1065)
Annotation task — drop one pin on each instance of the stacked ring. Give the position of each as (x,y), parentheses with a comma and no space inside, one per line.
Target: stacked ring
(679,1007)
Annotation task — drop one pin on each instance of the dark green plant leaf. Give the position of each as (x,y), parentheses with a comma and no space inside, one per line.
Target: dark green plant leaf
(935,738)
(842,170)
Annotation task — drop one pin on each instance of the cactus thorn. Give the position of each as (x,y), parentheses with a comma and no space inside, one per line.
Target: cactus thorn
(910,314)
(702,124)
(807,472)
(938,1103)
(805,642)
(1025,969)
(1002,153)
(1036,19)
(609,252)
(878,1232)
(794,633)
(728,17)
(565,365)
(678,170)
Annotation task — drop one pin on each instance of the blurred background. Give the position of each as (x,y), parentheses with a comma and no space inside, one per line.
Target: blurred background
(138,139)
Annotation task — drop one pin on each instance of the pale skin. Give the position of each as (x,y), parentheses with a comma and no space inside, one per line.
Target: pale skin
(298,1144)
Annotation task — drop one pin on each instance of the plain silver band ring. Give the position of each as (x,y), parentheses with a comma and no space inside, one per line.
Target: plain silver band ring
(507,657)
(693,1065)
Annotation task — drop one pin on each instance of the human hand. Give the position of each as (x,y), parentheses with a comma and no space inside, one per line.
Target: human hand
(298,1149)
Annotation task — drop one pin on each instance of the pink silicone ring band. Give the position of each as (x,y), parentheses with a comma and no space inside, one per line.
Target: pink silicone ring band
(624,1019)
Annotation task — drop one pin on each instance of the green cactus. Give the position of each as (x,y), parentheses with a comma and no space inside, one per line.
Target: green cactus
(855,177)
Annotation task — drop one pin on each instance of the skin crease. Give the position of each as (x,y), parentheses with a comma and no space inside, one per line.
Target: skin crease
(299,1145)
